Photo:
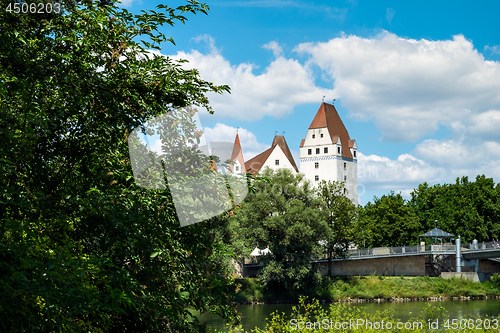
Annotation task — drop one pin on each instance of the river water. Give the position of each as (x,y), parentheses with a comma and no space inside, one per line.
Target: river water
(255,315)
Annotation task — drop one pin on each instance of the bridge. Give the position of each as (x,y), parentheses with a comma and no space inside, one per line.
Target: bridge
(415,260)
(468,251)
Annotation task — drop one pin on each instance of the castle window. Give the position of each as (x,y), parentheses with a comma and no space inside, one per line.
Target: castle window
(354,153)
(316,178)
(338,150)
(345,165)
(309,152)
(321,134)
(345,178)
(316,165)
(237,168)
(314,135)
(325,150)
(317,150)
(277,162)
(345,190)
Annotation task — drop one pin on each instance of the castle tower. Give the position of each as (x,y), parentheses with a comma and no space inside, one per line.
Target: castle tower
(327,153)
(237,158)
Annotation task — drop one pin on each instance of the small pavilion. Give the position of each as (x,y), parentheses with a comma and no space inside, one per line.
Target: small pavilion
(437,233)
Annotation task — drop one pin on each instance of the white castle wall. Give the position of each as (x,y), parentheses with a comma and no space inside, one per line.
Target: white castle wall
(284,163)
(331,166)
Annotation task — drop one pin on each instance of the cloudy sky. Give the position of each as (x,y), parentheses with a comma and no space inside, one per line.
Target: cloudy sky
(417,83)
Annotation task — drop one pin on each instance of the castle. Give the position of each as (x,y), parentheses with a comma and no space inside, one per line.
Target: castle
(327,153)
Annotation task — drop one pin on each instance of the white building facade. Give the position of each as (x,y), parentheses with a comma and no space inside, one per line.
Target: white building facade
(327,153)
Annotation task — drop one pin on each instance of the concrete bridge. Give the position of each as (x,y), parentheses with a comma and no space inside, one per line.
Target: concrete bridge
(416,260)
(471,251)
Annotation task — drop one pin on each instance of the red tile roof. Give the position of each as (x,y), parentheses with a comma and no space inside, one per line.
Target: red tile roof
(327,116)
(253,165)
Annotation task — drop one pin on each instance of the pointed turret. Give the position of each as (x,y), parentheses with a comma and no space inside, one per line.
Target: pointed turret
(237,157)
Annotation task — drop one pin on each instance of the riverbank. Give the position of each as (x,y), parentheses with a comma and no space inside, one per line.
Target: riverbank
(375,289)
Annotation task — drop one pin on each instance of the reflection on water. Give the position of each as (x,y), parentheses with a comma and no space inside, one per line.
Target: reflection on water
(255,315)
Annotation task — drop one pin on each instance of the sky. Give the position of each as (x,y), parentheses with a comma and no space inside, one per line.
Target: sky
(416,83)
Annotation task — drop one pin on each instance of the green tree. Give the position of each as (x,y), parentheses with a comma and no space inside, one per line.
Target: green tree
(339,213)
(82,247)
(465,208)
(389,221)
(281,214)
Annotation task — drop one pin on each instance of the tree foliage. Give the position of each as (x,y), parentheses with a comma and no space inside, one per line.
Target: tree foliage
(81,246)
(281,214)
(388,221)
(340,215)
(467,208)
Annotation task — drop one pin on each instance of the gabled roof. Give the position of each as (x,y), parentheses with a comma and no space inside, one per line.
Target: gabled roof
(253,165)
(237,154)
(436,232)
(280,141)
(327,116)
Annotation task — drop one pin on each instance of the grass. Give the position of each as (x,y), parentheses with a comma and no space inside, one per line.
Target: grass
(381,287)
(374,287)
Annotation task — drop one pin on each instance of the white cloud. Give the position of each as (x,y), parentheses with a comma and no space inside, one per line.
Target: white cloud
(462,157)
(128,3)
(379,172)
(410,87)
(493,49)
(389,15)
(208,40)
(485,125)
(283,84)
(432,161)
(274,46)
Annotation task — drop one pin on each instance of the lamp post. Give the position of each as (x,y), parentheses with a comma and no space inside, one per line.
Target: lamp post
(435,227)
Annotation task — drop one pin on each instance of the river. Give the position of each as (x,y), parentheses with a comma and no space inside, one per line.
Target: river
(255,315)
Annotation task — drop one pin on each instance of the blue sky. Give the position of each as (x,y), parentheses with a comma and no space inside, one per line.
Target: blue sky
(417,83)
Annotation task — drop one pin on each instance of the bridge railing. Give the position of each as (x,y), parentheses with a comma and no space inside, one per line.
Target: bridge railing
(403,250)
(388,251)
(481,246)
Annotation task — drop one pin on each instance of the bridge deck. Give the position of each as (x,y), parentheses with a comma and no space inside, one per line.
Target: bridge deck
(469,252)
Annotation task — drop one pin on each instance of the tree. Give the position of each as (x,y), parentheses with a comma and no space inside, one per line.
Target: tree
(339,213)
(389,221)
(82,247)
(465,208)
(282,215)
